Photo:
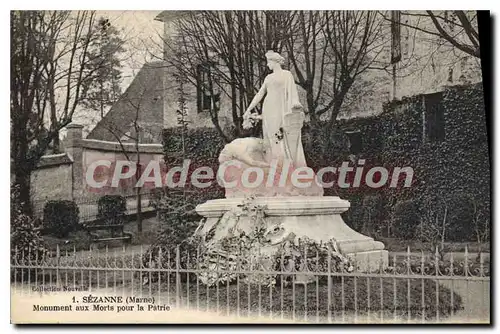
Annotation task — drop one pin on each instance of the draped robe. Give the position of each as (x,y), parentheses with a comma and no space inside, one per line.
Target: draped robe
(282,118)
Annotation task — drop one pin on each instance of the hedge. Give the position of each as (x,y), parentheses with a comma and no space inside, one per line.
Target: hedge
(60,217)
(405,219)
(111,209)
(26,241)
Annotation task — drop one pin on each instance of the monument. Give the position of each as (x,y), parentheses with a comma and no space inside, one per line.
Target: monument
(273,213)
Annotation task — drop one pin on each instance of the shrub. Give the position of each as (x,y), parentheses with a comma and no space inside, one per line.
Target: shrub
(25,235)
(27,245)
(354,216)
(434,224)
(60,217)
(405,219)
(111,209)
(461,217)
(178,221)
(177,231)
(26,242)
(373,212)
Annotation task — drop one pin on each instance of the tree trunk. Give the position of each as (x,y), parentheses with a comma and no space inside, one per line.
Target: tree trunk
(56,148)
(138,193)
(443,234)
(53,126)
(234,107)
(139,210)
(22,167)
(23,180)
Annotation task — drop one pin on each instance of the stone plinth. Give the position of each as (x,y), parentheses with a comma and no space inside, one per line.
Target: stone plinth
(314,217)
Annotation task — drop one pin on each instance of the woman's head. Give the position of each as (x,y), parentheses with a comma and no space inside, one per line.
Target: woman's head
(274,59)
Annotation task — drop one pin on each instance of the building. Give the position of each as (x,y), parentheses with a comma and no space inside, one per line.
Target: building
(141,107)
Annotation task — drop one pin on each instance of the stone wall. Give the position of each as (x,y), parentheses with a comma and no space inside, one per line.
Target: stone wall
(94,150)
(62,176)
(52,180)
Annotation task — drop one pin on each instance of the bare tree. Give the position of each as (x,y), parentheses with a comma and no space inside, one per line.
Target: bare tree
(122,136)
(228,47)
(49,54)
(326,50)
(458,27)
(308,54)
(481,225)
(433,227)
(134,131)
(190,55)
(357,40)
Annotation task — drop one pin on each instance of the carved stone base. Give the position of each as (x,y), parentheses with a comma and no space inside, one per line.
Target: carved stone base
(316,218)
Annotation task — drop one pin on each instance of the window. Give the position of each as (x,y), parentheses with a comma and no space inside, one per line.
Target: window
(434,117)
(355,141)
(207,99)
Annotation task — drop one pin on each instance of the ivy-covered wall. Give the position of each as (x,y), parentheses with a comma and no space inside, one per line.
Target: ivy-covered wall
(202,147)
(451,175)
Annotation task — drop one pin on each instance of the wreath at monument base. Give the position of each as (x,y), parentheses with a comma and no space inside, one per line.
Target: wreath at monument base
(265,254)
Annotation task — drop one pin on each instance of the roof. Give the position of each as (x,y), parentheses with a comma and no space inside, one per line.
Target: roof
(113,146)
(54,160)
(170,15)
(145,92)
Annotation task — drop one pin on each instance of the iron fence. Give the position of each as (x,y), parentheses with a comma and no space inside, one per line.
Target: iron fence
(417,288)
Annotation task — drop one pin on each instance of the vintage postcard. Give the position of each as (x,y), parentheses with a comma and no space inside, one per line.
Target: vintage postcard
(249,167)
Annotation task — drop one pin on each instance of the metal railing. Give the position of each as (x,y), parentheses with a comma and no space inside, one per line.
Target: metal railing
(417,288)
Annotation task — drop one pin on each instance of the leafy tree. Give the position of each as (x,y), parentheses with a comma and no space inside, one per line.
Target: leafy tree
(104,55)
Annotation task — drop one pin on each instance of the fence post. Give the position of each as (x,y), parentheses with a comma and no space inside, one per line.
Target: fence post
(177,276)
(329,277)
(58,262)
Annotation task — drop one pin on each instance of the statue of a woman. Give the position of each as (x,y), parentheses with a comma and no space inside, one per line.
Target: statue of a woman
(282,114)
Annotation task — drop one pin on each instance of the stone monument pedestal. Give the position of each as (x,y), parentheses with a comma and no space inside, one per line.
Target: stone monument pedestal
(314,217)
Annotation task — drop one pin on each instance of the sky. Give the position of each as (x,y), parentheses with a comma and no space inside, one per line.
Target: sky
(142,35)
